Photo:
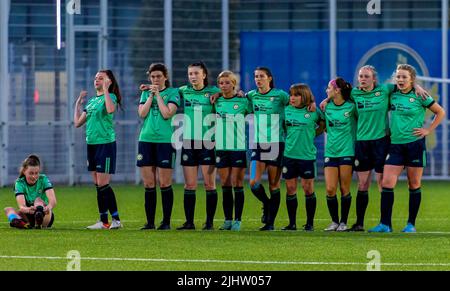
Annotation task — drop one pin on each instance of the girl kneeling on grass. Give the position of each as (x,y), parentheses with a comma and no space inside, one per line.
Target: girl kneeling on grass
(35,197)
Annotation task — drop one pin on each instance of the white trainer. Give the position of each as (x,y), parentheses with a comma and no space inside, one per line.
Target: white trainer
(332,227)
(342,227)
(98,225)
(115,224)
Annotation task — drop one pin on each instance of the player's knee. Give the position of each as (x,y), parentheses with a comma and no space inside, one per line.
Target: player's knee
(414,184)
(291,189)
(331,190)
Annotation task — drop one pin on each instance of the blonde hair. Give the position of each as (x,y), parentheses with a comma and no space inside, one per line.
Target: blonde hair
(31,161)
(231,76)
(304,91)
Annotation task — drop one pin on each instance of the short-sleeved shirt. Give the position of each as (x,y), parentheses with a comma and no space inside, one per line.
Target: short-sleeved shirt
(155,128)
(341,126)
(300,133)
(230,129)
(198,118)
(407,113)
(32,192)
(372,111)
(99,123)
(268,109)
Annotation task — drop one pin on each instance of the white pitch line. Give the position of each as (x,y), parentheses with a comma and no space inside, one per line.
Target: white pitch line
(220,261)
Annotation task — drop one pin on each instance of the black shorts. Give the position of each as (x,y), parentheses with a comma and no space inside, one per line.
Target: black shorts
(161,155)
(195,154)
(30,219)
(101,158)
(231,159)
(269,153)
(413,154)
(294,168)
(341,161)
(371,154)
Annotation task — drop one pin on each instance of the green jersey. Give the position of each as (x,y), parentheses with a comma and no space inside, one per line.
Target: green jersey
(407,113)
(300,133)
(32,192)
(198,118)
(372,111)
(230,129)
(341,123)
(269,114)
(99,123)
(157,129)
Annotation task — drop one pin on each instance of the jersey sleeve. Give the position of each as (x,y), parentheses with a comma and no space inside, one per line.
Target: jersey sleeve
(113,97)
(428,102)
(47,184)
(389,87)
(19,188)
(144,97)
(285,97)
(174,98)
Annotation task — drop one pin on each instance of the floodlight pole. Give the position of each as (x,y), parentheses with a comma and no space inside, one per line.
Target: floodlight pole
(4,83)
(70,72)
(225,35)
(333,46)
(445,102)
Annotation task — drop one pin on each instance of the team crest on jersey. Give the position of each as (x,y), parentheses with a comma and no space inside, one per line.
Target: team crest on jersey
(412,100)
(377,94)
(207,95)
(236,106)
(307,115)
(185,157)
(272,98)
(347,114)
(285,170)
(139,157)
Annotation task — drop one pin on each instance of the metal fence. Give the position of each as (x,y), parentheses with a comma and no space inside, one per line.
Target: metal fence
(126,36)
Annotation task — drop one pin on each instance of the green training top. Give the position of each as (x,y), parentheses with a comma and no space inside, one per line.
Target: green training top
(341,124)
(198,118)
(155,128)
(300,133)
(230,129)
(407,113)
(269,114)
(372,111)
(99,123)
(32,192)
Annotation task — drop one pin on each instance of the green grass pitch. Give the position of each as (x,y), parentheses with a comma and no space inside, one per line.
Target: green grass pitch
(250,249)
